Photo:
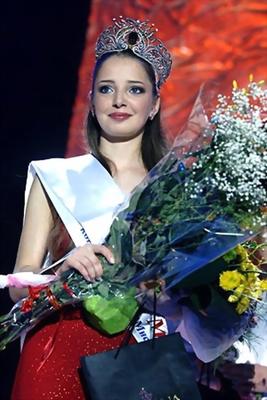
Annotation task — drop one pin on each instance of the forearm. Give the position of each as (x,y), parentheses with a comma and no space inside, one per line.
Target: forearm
(37,226)
(18,294)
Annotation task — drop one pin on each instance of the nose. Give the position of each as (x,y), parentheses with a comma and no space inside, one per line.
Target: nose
(119,99)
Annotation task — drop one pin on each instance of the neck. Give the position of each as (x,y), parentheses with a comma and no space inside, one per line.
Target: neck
(122,154)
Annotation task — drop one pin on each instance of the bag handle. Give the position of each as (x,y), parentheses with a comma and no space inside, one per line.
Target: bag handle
(131,325)
(154,317)
(129,329)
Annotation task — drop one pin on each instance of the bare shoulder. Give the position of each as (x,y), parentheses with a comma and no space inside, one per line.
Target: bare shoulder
(36,228)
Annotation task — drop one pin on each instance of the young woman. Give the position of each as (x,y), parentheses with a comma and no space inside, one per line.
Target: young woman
(124,135)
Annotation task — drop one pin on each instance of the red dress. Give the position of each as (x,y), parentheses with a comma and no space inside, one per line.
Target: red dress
(50,360)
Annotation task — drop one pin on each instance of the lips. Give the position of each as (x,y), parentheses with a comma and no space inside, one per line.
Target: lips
(119,116)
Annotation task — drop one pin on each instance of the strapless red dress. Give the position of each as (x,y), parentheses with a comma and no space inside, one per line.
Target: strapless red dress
(49,365)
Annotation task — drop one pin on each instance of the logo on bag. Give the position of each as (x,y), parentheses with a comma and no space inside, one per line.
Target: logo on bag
(143,329)
(144,395)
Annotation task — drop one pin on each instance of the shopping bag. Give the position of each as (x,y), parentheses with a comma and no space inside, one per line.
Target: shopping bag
(157,369)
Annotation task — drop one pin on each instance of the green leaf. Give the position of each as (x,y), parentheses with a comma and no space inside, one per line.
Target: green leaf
(103,289)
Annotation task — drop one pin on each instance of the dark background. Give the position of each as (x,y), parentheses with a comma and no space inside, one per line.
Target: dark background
(40,53)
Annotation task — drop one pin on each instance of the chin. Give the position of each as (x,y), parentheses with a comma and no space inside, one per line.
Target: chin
(121,136)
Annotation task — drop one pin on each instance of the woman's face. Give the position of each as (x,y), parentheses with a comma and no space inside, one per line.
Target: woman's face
(123,98)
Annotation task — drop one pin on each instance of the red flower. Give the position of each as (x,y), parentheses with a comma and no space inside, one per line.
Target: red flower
(26,305)
(34,294)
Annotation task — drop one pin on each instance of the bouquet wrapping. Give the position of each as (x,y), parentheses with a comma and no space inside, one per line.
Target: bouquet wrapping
(203,200)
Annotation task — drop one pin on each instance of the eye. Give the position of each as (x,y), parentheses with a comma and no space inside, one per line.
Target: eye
(105,89)
(136,90)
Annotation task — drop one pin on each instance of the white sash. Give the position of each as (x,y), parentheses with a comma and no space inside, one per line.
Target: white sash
(82,192)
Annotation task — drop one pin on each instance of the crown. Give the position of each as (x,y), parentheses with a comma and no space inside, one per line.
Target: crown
(138,36)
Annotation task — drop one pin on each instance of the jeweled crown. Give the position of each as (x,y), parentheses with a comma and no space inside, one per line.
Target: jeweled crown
(138,36)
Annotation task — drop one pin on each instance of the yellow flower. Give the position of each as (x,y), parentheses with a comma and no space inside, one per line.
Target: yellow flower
(235,84)
(242,252)
(242,305)
(247,265)
(263,284)
(244,282)
(233,298)
(239,290)
(256,293)
(229,280)
(252,279)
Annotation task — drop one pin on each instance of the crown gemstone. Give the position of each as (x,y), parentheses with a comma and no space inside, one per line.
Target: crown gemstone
(133,38)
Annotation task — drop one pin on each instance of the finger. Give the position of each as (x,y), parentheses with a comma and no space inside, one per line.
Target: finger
(91,272)
(238,371)
(152,284)
(142,287)
(96,264)
(244,388)
(149,293)
(78,265)
(150,287)
(89,260)
(83,259)
(64,267)
(91,265)
(105,251)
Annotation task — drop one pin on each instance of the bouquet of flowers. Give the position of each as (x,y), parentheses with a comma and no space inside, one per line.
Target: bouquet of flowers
(186,223)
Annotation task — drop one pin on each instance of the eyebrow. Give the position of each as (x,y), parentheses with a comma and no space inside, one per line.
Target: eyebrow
(112,81)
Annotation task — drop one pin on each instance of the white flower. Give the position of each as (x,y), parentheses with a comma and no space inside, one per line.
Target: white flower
(235,164)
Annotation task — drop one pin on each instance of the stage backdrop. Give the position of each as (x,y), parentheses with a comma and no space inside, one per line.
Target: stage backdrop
(223,40)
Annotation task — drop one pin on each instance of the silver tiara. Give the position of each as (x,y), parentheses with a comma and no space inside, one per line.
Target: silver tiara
(128,33)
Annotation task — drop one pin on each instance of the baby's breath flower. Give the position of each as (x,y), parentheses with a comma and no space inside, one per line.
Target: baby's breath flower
(235,164)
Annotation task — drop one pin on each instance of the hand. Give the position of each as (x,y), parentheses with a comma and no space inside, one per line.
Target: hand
(242,377)
(167,301)
(246,378)
(148,289)
(84,260)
